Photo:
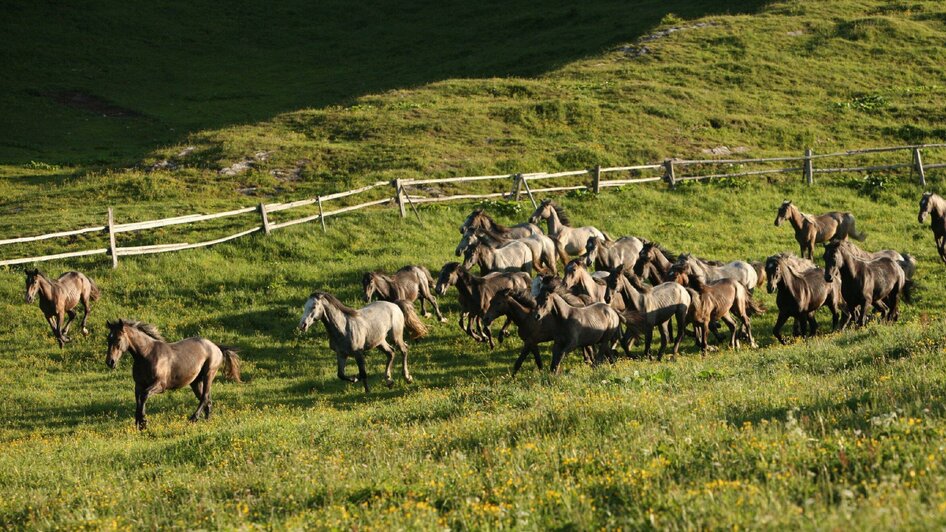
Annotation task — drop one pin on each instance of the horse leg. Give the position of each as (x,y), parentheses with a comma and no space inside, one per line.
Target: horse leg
(87,307)
(862,319)
(648,338)
(72,316)
(58,330)
(198,388)
(362,370)
(141,397)
(681,326)
(204,398)
(52,325)
(402,347)
(733,331)
(779,323)
(747,325)
(433,302)
(664,334)
(558,352)
(812,325)
(704,337)
(342,361)
(386,349)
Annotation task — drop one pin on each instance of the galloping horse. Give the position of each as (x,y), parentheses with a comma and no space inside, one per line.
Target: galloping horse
(541,246)
(802,290)
(570,240)
(934,206)
(60,297)
(876,283)
(811,230)
(352,332)
(607,255)
(159,365)
(739,271)
(595,325)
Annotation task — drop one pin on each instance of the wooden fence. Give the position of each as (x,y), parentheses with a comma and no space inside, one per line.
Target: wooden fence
(671,171)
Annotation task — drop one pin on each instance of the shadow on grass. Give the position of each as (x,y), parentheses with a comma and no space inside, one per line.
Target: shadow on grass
(244,62)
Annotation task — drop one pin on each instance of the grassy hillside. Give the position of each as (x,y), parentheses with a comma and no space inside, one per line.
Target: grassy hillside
(845,430)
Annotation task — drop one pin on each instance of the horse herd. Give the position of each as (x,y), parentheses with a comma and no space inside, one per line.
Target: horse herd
(637,286)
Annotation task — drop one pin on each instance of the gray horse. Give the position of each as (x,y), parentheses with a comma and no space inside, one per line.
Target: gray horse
(740,271)
(59,298)
(159,365)
(512,257)
(542,247)
(607,255)
(478,219)
(570,240)
(352,332)
(409,283)
(595,325)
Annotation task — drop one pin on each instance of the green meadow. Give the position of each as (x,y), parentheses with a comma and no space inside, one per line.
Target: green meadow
(141,107)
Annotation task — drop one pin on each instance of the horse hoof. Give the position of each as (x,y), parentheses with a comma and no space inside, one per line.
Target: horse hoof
(443,320)
(85,331)
(390,383)
(409,379)
(193,419)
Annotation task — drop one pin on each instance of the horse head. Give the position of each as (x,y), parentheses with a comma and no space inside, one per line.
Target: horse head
(783,211)
(32,284)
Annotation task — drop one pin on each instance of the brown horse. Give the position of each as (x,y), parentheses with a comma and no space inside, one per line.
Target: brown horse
(802,290)
(934,206)
(159,365)
(407,284)
(711,301)
(518,305)
(811,230)
(60,297)
(475,294)
(876,283)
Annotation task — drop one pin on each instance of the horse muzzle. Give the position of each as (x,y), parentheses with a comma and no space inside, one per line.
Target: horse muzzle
(922,217)
(827,277)
(110,363)
(29,300)
(770,288)
(778,222)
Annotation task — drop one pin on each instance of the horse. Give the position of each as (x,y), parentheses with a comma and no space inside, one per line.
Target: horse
(811,230)
(512,257)
(876,283)
(646,308)
(714,300)
(934,206)
(408,283)
(541,246)
(570,240)
(579,281)
(739,271)
(654,262)
(478,219)
(518,305)
(595,325)
(159,365)
(59,298)
(352,332)
(906,262)
(802,290)
(607,255)
(475,294)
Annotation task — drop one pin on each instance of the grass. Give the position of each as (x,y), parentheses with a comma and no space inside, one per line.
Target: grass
(845,430)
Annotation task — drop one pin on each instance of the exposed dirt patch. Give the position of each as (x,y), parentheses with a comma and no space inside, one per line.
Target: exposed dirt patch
(91,103)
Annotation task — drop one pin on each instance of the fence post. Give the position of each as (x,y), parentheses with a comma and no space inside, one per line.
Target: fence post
(525,183)
(808,169)
(262,213)
(669,175)
(516,186)
(918,166)
(596,179)
(112,250)
(399,197)
(321,215)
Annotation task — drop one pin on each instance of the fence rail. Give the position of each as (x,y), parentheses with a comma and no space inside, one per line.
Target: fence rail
(519,184)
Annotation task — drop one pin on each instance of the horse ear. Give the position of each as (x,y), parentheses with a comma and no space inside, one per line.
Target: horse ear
(620,268)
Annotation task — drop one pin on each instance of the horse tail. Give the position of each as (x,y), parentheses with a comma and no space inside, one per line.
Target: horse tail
(231,362)
(428,278)
(908,264)
(94,293)
(415,327)
(853,232)
(752,307)
(760,272)
(634,321)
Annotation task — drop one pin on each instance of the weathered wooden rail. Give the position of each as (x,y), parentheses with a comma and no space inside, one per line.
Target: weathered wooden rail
(666,171)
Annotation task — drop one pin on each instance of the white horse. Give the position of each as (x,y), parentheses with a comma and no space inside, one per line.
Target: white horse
(512,257)
(740,271)
(570,240)
(352,332)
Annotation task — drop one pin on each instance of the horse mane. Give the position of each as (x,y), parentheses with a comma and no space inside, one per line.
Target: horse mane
(143,327)
(666,253)
(558,287)
(792,263)
(335,302)
(523,297)
(636,281)
(492,234)
(561,212)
